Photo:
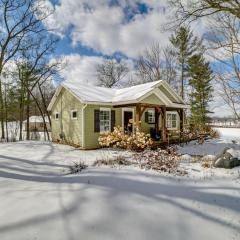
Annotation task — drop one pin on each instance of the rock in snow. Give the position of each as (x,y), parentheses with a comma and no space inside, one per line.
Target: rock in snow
(228,159)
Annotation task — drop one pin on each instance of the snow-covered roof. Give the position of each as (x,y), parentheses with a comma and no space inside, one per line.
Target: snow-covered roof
(37,119)
(109,95)
(101,95)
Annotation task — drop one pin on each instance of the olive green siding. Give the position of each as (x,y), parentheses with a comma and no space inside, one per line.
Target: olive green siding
(91,137)
(166,92)
(152,99)
(72,128)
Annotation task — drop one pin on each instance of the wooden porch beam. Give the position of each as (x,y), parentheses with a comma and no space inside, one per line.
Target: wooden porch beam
(181,115)
(138,119)
(146,105)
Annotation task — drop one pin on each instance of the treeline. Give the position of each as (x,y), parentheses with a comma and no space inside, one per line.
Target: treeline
(185,63)
(182,64)
(26,68)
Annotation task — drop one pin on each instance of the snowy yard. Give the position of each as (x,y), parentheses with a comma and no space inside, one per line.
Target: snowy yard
(39,201)
(229,137)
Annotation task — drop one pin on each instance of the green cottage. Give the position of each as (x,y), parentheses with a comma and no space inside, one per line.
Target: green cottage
(80,113)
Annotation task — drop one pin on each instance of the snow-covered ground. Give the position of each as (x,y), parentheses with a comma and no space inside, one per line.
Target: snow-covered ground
(14,132)
(39,201)
(229,137)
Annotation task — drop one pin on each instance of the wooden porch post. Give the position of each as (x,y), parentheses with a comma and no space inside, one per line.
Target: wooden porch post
(138,110)
(164,129)
(157,114)
(181,115)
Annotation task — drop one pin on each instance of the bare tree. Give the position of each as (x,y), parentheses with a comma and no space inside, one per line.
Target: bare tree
(149,64)
(111,72)
(225,49)
(169,72)
(158,63)
(191,10)
(18,21)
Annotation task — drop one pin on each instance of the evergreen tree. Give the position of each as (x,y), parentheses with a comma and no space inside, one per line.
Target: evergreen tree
(185,45)
(200,81)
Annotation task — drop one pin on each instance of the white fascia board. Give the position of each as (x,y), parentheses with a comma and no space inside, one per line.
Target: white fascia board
(162,97)
(54,98)
(73,94)
(172,92)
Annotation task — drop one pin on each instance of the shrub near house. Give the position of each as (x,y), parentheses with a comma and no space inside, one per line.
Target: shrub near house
(81,114)
(118,138)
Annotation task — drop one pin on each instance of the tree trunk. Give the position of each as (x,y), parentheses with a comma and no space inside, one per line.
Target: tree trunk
(28,115)
(1,109)
(20,120)
(40,110)
(44,104)
(6,111)
(182,80)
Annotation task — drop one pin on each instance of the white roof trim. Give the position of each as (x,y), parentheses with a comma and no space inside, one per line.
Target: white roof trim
(54,98)
(120,94)
(172,92)
(162,96)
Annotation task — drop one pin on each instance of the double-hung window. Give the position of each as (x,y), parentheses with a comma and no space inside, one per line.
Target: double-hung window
(105,120)
(172,120)
(151,116)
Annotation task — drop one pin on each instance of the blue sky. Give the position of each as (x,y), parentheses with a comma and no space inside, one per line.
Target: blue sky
(92,30)
(66,47)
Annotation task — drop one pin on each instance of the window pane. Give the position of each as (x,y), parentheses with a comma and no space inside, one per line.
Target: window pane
(104,121)
(151,116)
(174,124)
(74,114)
(174,116)
(169,117)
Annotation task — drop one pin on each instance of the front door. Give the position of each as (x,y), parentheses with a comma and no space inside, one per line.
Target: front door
(128,121)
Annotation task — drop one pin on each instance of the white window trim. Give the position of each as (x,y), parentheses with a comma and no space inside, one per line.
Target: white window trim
(74,110)
(175,113)
(151,111)
(109,110)
(55,116)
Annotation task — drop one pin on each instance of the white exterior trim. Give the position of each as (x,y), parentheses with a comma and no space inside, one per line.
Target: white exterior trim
(107,110)
(177,120)
(74,118)
(162,97)
(54,98)
(172,92)
(155,91)
(83,125)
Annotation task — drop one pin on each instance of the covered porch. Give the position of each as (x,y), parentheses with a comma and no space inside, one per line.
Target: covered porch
(160,114)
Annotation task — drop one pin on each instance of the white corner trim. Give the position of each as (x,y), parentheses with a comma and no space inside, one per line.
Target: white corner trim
(83,125)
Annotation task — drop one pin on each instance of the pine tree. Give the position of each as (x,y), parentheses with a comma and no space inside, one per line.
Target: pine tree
(185,45)
(200,75)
